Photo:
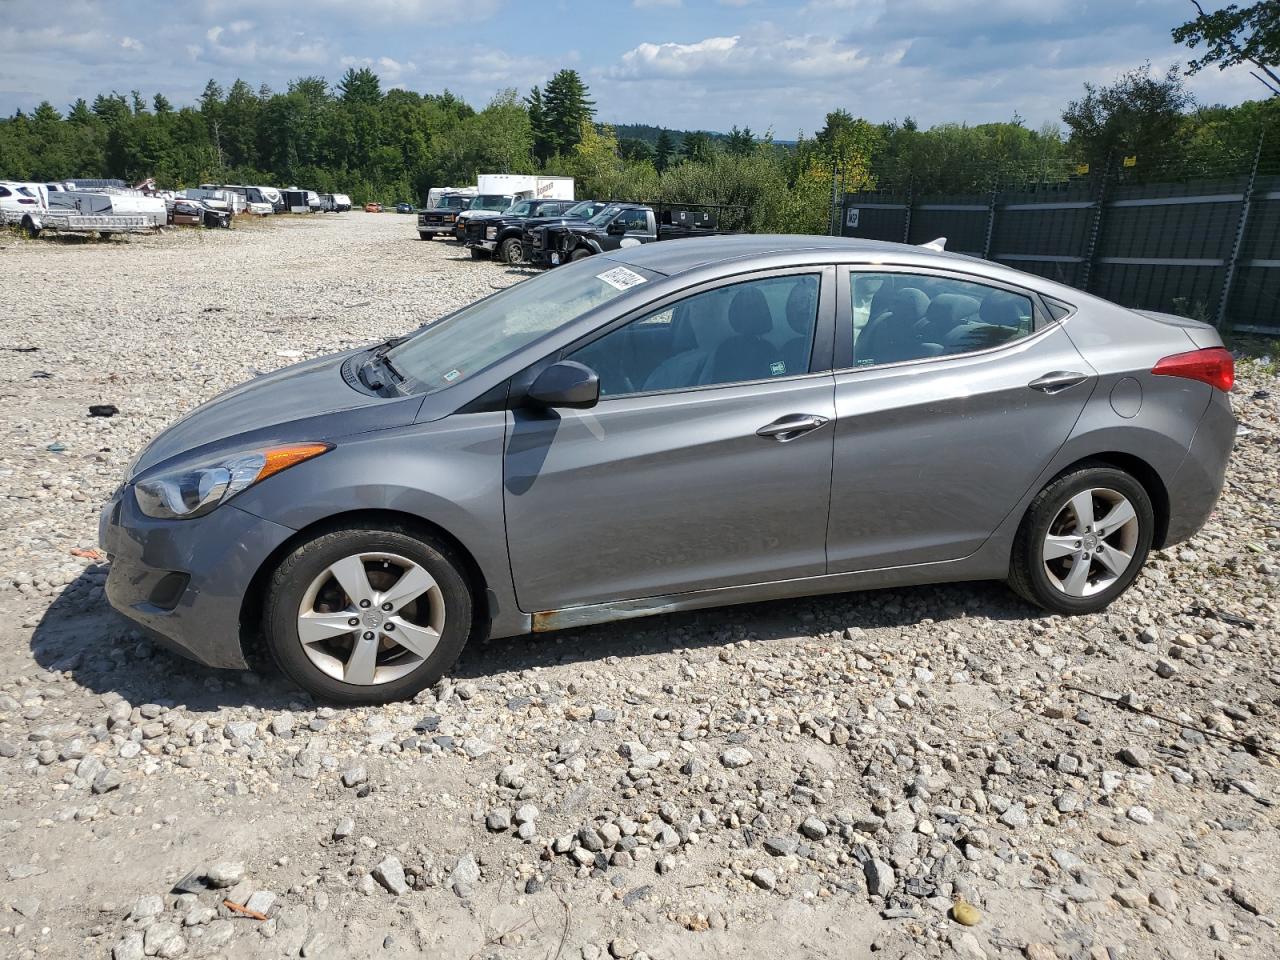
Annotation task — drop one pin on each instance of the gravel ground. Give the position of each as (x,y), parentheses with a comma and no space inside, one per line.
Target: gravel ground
(910,773)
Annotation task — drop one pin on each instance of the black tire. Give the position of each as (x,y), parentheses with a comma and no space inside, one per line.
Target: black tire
(511,250)
(295,574)
(478,253)
(425,236)
(580,254)
(1027,574)
(29,228)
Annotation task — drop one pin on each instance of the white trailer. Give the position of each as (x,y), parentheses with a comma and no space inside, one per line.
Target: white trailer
(522,186)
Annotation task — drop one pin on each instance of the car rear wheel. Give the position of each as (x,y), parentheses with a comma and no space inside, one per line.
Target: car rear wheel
(511,251)
(367,615)
(423,236)
(1083,541)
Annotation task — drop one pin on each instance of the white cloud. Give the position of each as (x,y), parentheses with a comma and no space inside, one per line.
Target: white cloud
(129,43)
(765,57)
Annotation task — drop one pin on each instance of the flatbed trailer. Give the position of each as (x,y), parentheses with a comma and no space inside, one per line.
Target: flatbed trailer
(33,223)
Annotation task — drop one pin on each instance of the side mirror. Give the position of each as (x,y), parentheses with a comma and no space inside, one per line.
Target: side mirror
(617,228)
(565,384)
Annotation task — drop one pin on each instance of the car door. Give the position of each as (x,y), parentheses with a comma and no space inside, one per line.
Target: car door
(706,462)
(952,395)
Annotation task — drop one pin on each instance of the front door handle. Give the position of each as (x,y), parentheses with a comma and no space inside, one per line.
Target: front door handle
(791,426)
(1057,381)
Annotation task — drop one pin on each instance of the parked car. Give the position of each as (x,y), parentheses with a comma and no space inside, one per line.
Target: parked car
(373,207)
(335,202)
(504,234)
(668,427)
(441,219)
(19,198)
(617,225)
(482,206)
(404,207)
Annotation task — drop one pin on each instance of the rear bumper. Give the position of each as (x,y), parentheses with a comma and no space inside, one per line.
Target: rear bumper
(184,581)
(1195,488)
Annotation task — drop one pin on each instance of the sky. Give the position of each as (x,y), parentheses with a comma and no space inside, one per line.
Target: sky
(685,64)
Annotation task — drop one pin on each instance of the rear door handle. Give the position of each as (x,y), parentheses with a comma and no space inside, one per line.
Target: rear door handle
(1057,381)
(791,426)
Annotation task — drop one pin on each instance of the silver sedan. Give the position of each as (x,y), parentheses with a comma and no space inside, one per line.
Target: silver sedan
(677,425)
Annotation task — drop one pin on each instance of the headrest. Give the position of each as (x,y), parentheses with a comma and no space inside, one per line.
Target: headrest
(950,309)
(749,313)
(1001,309)
(909,305)
(800,305)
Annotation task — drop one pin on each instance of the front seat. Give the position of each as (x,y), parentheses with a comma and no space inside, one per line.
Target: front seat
(947,312)
(801,314)
(890,335)
(686,365)
(746,354)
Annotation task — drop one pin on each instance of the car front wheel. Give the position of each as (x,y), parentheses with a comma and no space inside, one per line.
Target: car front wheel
(511,251)
(1083,540)
(367,615)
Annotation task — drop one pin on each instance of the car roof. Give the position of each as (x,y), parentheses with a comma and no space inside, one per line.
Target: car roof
(674,257)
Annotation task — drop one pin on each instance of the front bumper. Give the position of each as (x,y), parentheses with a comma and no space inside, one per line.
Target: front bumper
(435,228)
(184,581)
(490,245)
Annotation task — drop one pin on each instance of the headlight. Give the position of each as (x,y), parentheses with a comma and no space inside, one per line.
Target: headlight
(448,218)
(491,233)
(194,491)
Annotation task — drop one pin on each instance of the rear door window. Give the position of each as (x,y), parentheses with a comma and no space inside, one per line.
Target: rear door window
(904,316)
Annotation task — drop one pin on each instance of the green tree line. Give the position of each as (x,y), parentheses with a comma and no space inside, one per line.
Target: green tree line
(392,145)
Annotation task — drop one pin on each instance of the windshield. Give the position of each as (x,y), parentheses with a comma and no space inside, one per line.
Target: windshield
(491,201)
(520,209)
(604,216)
(465,343)
(580,211)
(450,202)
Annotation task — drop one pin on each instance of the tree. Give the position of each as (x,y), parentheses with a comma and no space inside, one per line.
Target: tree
(360,86)
(1139,115)
(160,103)
(543,147)
(566,107)
(740,142)
(663,151)
(697,147)
(1235,35)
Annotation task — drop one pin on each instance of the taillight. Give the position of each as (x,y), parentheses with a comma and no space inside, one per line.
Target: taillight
(26,200)
(1212,365)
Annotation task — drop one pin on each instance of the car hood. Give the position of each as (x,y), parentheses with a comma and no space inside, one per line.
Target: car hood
(306,401)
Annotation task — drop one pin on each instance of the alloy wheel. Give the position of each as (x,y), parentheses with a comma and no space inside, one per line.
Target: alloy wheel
(1090,542)
(371,618)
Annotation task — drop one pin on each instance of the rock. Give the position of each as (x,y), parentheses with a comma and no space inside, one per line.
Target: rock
(1014,816)
(282,724)
(1136,756)
(344,828)
(261,901)
(622,948)
(1249,897)
(148,906)
(813,828)
(526,813)
(780,846)
(764,878)
(164,940)
(967,947)
(965,913)
(465,875)
(354,776)
(1165,899)
(498,820)
(1039,951)
(736,757)
(129,948)
(880,878)
(225,873)
(390,873)
(1140,814)
(475,748)
(314,945)
(107,781)
(241,730)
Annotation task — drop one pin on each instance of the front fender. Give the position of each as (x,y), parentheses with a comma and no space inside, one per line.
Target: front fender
(447,472)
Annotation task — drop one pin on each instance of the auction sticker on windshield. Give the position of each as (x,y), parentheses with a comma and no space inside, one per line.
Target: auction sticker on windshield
(620,278)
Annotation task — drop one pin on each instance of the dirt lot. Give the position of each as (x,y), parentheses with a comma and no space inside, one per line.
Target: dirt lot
(816,778)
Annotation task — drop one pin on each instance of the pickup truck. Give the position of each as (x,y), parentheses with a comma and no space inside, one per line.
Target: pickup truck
(440,218)
(617,225)
(505,234)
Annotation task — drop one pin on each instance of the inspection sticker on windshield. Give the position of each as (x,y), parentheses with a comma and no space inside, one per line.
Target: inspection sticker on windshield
(620,278)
